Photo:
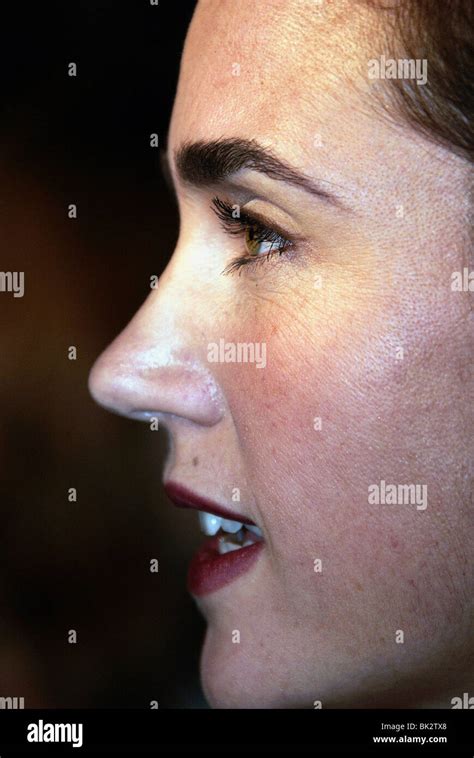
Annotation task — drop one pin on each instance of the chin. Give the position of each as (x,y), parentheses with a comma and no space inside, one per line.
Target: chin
(232,679)
(222,670)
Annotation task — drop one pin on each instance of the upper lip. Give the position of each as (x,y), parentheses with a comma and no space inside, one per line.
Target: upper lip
(185,498)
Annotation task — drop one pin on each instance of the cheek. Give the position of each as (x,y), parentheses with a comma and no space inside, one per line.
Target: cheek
(317,429)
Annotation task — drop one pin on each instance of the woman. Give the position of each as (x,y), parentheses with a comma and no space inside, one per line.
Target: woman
(309,349)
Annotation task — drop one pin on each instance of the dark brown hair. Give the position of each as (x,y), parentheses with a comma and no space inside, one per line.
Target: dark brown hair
(443,34)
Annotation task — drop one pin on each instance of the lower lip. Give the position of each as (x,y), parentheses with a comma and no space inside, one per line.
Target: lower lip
(209,570)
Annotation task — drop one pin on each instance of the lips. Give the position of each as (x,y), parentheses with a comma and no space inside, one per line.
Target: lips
(184,498)
(209,570)
(230,552)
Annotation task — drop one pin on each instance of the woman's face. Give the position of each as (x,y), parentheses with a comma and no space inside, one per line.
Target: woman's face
(361,595)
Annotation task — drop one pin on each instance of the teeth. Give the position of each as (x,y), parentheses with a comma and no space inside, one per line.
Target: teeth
(231,526)
(210,524)
(227,547)
(255,529)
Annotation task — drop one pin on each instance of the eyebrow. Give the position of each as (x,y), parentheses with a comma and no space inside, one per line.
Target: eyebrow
(205,163)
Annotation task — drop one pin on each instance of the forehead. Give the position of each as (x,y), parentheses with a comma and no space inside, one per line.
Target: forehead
(276,71)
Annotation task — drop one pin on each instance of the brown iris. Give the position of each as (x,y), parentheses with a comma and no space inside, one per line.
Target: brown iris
(252,240)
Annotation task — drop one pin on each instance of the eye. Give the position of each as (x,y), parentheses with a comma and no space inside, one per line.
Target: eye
(261,241)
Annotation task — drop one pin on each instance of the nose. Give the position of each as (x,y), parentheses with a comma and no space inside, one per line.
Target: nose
(157,366)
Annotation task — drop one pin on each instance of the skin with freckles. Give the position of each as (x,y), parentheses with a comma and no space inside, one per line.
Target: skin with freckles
(363,333)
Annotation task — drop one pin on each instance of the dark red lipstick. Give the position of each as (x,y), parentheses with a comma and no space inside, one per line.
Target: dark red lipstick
(211,569)
(185,498)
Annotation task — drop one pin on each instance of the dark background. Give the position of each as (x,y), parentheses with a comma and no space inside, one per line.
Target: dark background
(85,565)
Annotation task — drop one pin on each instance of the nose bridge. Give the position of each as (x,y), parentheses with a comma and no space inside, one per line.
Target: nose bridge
(157,365)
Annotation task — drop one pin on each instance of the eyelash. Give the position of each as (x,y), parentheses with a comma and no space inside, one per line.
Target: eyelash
(239,227)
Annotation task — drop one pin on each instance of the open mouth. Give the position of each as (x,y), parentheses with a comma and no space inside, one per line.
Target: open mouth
(232,535)
(232,548)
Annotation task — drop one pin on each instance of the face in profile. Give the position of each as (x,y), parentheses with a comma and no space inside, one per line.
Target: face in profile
(310,360)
